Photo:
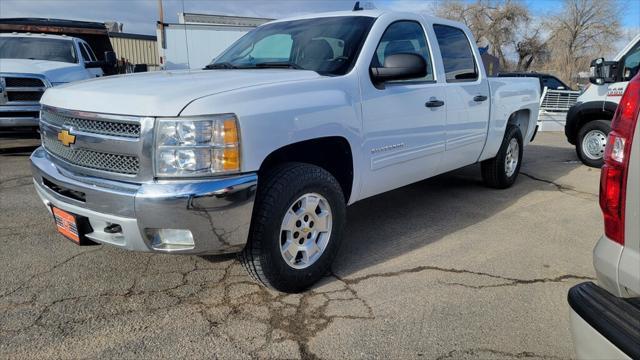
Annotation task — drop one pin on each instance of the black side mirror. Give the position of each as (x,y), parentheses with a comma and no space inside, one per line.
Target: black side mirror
(400,67)
(110,59)
(603,72)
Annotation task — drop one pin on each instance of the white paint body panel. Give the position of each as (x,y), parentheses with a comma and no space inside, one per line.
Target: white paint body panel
(618,266)
(609,92)
(589,343)
(278,107)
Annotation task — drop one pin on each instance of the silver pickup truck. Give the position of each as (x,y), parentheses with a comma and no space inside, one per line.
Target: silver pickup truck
(605,318)
(261,152)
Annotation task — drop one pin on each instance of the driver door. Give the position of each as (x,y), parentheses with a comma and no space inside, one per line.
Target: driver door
(404,133)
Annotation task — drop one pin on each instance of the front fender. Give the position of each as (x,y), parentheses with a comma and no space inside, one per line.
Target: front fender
(276,115)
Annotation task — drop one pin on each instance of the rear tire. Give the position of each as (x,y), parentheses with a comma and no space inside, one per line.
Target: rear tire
(296,229)
(592,139)
(502,171)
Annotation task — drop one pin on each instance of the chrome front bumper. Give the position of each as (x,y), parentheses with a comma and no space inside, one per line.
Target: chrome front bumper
(216,212)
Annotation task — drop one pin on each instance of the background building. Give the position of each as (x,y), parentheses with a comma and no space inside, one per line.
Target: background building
(135,49)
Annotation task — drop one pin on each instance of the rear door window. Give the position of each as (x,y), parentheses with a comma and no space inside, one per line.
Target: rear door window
(457,56)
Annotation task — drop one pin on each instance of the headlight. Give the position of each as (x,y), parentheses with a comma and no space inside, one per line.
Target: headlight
(197,146)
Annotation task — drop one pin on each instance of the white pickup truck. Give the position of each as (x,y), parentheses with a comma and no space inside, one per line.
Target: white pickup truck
(31,63)
(261,152)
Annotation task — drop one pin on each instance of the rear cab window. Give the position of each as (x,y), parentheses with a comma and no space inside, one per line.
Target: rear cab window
(552,83)
(457,55)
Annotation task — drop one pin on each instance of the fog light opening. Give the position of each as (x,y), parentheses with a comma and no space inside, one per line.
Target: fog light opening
(170,239)
(113,229)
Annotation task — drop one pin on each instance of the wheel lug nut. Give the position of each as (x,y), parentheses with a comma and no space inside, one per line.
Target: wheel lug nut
(295,235)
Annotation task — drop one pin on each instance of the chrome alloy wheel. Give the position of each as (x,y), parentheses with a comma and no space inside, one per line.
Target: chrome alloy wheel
(512,157)
(305,231)
(593,144)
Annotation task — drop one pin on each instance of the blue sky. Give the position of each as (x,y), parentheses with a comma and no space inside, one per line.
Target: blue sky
(139,16)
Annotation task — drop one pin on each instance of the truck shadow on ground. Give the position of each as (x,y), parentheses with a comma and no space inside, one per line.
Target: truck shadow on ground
(392,224)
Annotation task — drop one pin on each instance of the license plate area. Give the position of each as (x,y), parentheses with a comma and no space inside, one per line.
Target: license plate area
(73,227)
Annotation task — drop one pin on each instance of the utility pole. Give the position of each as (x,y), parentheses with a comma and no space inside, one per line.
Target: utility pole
(161,25)
(160,12)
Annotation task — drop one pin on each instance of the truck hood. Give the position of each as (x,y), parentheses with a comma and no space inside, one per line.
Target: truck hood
(163,93)
(54,71)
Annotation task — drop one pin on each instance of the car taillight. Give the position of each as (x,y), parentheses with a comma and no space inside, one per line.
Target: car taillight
(613,180)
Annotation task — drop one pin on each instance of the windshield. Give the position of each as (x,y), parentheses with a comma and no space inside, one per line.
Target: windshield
(37,49)
(328,46)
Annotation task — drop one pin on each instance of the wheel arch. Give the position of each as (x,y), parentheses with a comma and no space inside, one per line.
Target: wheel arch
(332,153)
(522,119)
(583,113)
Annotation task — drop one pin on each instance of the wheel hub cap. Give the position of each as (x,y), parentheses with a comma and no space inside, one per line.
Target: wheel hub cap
(305,230)
(512,158)
(593,144)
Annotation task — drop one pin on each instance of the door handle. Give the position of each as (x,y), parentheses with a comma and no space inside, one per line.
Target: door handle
(434,103)
(479,98)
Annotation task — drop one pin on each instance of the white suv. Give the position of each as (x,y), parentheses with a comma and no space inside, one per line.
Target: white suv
(605,318)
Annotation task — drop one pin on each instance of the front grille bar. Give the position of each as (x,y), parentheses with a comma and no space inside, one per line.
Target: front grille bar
(102,127)
(117,163)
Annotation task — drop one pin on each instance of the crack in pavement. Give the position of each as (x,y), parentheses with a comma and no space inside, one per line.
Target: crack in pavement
(455,354)
(249,317)
(509,280)
(21,286)
(224,298)
(564,188)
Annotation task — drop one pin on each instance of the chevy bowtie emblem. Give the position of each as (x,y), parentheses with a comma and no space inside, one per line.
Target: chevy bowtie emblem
(65,138)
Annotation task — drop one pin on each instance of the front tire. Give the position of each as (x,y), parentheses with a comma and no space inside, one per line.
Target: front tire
(592,140)
(502,171)
(296,229)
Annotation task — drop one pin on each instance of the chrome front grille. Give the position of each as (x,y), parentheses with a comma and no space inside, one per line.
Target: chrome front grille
(103,127)
(114,147)
(23,82)
(21,89)
(116,163)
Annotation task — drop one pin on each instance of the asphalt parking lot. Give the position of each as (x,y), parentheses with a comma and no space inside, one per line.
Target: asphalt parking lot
(441,269)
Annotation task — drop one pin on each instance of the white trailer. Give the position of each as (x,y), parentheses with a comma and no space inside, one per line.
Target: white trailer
(198,38)
(554,105)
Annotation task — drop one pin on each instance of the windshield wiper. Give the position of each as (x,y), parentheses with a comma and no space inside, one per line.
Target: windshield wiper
(222,65)
(279,64)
